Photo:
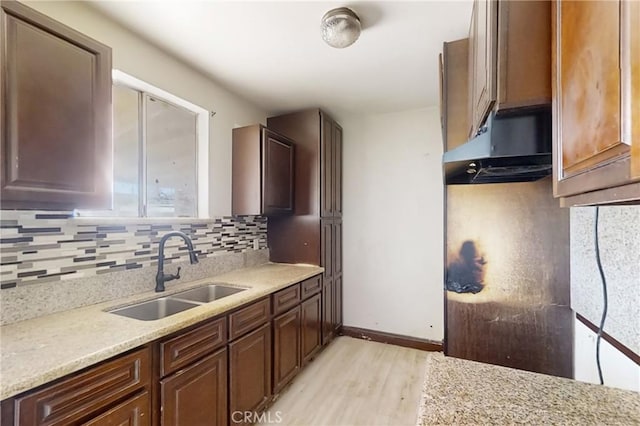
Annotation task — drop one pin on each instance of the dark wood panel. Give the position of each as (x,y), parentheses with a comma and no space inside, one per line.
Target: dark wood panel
(337,302)
(455,80)
(327,311)
(337,247)
(311,327)
(277,166)
(188,347)
(311,286)
(326,167)
(337,170)
(508,301)
(196,395)
(634,77)
(56,109)
(285,299)
(326,245)
(249,318)
(88,392)
(286,348)
(250,372)
(524,57)
(132,412)
(295,238)
(392,339)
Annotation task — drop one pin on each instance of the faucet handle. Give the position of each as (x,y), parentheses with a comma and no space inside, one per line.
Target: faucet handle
(177,275)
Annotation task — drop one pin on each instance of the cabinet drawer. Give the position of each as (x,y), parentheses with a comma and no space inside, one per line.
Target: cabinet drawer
(285,299)
(311,286)
(132,412)
(249,318)
(69,400)
(182,350)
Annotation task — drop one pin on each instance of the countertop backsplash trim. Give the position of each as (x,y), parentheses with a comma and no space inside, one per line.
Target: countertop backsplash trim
(39,247)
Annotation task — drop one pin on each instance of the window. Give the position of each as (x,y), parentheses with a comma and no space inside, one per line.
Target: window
(160,153)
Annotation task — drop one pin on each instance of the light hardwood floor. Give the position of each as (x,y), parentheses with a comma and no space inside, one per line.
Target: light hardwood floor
(355,382)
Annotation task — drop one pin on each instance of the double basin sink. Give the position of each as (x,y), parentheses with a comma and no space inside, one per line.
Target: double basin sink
(163,307)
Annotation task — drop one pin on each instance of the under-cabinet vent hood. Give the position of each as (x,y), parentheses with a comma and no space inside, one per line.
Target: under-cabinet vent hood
(513,148)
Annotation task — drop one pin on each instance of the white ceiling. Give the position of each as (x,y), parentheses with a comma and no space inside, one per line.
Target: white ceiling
(272,54)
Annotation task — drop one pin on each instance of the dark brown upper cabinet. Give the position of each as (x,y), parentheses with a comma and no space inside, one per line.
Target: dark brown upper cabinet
(55,114)
(596,101)
(263,171)
(331,171)
(509,58)
(454,93)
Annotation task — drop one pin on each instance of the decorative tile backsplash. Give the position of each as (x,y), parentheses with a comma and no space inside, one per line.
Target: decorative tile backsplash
(38,247)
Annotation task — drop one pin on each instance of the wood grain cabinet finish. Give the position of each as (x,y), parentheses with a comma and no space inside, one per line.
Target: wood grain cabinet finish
(285,299)
(196,395)
(596,57)
(311,286)
(327,311)
(455,94)
(249,318)
(250,372)
(84,395)
(262,172)
(286,348)
(311,328)
(188,347)
(55,114)
(337,303)
(508,68)
(132,412)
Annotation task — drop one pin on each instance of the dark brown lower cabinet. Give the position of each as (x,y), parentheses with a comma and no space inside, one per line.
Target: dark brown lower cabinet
(132,412)
(249,374)
(196,395)
(286,348)
(310,327)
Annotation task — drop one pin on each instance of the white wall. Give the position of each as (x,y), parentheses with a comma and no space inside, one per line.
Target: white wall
(393,223)
(617,370)
(135,56)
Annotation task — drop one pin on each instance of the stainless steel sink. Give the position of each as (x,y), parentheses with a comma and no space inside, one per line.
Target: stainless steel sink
(207,293)
(169,305)
(154,309)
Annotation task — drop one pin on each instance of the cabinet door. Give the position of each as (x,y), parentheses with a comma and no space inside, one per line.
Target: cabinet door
(311,325)
(326,248)
(327,311)
(286,348)
(132,412)
(483,39)
(326,167)
(337,303)
(633,30)
(196,395)
(277,165)
(592,97)
(250,372)
(337,170)
(55,114)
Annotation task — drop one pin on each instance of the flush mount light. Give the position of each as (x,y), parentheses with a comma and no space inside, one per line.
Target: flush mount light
(340,27)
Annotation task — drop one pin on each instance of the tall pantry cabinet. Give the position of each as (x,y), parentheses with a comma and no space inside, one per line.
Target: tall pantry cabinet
(313,234)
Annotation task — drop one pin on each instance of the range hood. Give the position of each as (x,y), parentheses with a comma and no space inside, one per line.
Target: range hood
(511,148)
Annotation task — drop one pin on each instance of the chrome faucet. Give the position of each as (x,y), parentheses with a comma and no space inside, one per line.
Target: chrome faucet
(161,277)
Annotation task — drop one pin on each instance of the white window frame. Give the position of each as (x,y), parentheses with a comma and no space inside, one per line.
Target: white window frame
(202,150)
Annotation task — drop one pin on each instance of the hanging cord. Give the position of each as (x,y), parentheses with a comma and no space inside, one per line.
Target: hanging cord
(605,298)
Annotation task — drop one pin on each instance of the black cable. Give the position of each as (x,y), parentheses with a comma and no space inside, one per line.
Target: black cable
(604,297)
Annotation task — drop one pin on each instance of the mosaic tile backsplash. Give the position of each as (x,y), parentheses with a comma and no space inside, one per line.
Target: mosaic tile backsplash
(39,247)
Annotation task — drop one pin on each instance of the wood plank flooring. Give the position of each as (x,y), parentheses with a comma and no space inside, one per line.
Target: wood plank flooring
(355,382)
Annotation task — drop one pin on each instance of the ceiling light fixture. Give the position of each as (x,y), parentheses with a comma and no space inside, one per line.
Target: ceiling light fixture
(340,27)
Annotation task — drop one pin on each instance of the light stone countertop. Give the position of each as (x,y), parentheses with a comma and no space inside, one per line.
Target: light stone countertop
(39,350)
(462,392)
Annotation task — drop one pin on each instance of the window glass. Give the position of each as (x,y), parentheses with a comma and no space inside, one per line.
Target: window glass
(126,156)
(171,159)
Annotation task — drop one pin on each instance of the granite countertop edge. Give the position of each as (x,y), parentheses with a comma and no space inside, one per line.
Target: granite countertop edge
(40,350)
